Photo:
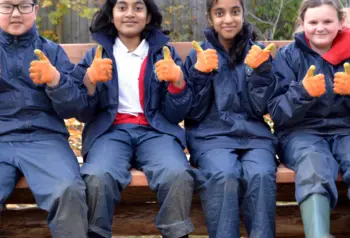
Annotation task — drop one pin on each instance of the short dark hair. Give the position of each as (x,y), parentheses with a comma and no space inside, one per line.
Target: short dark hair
(102,20)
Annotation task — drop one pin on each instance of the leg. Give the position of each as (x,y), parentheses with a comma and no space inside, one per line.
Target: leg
(341,153)
(106,174)
(169,173)
(9,174)
(52,172)
(316,170)
(259,203)
(220,194)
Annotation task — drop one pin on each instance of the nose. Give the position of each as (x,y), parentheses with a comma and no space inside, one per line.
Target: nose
(16,12)
(130,13)
(228,18)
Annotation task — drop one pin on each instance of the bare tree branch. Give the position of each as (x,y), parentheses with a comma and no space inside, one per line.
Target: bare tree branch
(260,20)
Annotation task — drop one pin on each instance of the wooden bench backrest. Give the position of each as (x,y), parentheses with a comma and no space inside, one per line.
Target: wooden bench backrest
(76,51)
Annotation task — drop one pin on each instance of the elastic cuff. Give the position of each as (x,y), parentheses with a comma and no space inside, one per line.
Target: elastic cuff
(176,230)
(175,90)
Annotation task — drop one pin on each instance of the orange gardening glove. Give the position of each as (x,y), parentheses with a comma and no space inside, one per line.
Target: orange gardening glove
(166,69)
(256,56)
(42,71)
(342,81)
(207,60)
(315,85)
(100,69)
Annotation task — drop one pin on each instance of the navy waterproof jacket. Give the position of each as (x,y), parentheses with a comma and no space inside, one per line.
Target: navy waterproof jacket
(28,111)
(292,109)
(229,103)
(163,109)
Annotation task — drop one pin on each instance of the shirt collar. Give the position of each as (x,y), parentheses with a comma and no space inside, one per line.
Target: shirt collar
(141,51)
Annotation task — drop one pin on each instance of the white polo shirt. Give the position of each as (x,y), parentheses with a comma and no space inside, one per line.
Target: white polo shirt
(128,68)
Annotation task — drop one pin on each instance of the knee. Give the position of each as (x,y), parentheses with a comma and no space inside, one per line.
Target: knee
(262,175)
(71,189)
(179,176)
(97,181)
(227,178)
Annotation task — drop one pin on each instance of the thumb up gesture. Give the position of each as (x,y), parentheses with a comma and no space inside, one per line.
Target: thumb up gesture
(42,71)
(315,85)
(256,56)
(207,60)
(100,69)
(342,81)
(166,69)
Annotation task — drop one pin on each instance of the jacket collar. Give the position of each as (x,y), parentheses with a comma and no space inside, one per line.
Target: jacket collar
(21,40)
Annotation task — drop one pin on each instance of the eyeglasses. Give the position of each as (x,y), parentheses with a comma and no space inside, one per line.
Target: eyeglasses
(23,8)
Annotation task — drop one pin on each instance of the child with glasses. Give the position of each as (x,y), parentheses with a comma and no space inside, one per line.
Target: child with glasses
(34,92)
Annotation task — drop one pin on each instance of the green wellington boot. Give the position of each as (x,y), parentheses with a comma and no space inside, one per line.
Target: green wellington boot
(315,212)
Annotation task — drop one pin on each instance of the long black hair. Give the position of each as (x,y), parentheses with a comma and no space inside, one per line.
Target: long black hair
(102,19)
(241,40)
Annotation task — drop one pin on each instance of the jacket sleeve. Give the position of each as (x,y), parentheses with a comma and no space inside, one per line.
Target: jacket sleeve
(260,85)
(70,98)
(290,101)
(176,105)
(202,88)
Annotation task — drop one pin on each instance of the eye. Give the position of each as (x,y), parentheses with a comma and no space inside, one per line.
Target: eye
(139,8)
(236,12)
(219,13)
(121,8)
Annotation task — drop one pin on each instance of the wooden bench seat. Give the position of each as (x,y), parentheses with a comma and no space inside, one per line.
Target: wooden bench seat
(138,208)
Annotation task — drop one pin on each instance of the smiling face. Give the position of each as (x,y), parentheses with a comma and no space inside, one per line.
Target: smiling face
(321,25)
(17,23)
(226,16)
(130,18)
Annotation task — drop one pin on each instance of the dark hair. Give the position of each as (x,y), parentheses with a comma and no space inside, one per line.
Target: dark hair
(306,4)
(241,40)
(35,2)
(102,19)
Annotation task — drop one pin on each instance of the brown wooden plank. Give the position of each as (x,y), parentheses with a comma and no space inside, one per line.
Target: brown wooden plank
(138,190)
(76,51)
(129,220)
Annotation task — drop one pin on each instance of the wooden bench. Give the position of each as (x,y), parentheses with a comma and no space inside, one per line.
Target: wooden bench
(136,213)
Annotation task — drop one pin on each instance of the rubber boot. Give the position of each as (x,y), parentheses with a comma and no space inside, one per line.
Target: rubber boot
(315,212)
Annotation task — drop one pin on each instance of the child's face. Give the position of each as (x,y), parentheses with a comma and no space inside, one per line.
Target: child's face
(130,17)
(226,16)
(321,25)
(17,23)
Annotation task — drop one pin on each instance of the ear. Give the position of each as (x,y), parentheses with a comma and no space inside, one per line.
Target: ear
(149,18)
(300,24)
(36,10)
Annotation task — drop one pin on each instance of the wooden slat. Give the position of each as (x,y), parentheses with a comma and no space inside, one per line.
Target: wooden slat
(76,51)
(129,220)
(138,190)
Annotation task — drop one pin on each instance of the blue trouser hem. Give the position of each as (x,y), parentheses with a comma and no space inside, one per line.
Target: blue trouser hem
(176,230)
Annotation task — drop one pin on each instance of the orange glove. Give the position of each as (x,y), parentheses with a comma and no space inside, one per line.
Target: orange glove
(100,69)
(315,85)
(42,71)
(166,69)
(256,56)
(342,81)
(207,60)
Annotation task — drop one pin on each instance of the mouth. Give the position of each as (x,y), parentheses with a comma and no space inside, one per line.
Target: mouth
(16,23)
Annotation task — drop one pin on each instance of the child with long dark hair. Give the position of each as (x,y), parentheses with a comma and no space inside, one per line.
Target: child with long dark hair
(138,96)
(227,136)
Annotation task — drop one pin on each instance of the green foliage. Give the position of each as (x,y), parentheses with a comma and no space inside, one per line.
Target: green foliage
(275,19)
(179,20)
(60,8)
